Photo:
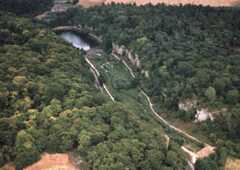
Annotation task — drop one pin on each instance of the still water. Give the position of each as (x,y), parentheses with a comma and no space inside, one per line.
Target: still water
(75,40)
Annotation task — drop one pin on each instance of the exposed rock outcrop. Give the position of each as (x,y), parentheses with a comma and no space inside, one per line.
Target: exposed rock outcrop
(145,73)
(130,57)
(187,105)
(128,54)
(167,140)
(204,114)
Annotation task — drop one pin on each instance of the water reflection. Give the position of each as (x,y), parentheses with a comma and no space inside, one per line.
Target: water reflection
(75,40)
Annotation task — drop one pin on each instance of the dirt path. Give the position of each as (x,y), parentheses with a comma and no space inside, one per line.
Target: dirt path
(193,157)
(156,114)
(97,75)
(165,122)
(168,124)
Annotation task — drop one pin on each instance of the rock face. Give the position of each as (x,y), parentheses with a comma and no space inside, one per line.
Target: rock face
(167,140)
(128,54)
(146,73)
(187,105)
(203,115)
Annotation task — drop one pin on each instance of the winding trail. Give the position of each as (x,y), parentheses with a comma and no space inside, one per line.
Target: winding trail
(126,65)
(168,124)
(92,66)
(97,75)
(154,111)
(206,150)
(193,157)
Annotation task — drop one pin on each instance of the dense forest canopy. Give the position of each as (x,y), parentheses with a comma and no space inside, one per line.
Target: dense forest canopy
(25,6)
(189,51)
(49,104)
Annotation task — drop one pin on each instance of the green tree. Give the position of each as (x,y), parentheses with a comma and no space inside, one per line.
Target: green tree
(206,164)
(54,90)
(107,44)
(232,96)
(210,93)
(220,84)
(154,160)
(232,120)
(171,158)
(26,151)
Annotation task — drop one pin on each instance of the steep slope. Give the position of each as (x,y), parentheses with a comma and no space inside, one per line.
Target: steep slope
(187,53)
(49,104)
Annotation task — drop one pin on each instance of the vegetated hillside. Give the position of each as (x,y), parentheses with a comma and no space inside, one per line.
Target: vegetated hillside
(49,104)
(191,53)
(216,3)
(25,6)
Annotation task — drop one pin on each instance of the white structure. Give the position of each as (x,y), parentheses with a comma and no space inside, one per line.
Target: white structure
(203,115)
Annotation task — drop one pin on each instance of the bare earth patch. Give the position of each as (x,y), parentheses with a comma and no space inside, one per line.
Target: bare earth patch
(205,152)
(89,3)
(9,166)
(215,3)
(232,164)
(53,162)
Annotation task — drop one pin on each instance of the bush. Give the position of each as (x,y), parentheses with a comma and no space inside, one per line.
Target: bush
(232,96)
(206,164)
(186,116)
(26,151)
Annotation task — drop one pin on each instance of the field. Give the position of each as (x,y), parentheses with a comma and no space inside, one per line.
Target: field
(216,3)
